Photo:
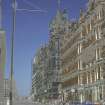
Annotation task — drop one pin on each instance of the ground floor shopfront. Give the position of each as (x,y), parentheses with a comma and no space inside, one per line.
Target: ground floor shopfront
(92,94)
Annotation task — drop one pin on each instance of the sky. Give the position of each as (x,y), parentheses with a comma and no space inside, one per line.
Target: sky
(32,31)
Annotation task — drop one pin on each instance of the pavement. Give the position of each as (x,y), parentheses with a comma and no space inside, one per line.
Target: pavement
(24,102)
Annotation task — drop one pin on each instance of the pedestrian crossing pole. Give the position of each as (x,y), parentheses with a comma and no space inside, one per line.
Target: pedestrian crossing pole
(14,9)
(12,48)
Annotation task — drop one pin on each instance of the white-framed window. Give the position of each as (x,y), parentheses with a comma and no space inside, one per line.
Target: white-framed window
(79,48)
(79,65)
(99,15)
(90,26)
(98,55)
(98,32)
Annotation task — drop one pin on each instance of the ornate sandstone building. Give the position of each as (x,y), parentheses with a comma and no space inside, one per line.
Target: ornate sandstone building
(74,58)
(83,55)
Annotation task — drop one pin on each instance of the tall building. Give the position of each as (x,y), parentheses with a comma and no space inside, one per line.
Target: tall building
(2,56)
(83,56)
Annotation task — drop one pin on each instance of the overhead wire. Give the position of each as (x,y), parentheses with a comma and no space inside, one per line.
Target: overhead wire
(33,6)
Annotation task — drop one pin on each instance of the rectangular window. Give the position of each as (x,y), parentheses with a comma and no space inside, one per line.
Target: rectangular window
(98,72)
(103,52)
(98,32)
(87,29)
(90,26)
(99,15)
(98,54)
(87,78)
(79,48)
(79,65)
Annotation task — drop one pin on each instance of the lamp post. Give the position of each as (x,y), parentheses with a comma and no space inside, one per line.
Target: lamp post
(12,46)
(14,9)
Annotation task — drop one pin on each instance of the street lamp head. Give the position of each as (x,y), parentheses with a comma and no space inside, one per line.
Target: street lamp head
(15,5)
